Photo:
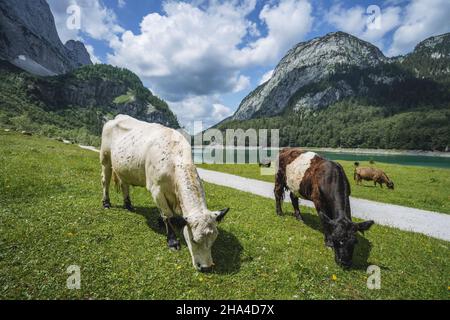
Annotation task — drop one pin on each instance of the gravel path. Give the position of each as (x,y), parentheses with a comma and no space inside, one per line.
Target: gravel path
(433,224)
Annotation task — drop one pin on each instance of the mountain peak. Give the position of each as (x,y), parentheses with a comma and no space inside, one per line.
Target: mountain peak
(78,52)
(29,39)
(306,63)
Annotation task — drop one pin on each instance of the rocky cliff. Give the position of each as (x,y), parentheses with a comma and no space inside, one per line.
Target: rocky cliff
(307,63)
(29,40)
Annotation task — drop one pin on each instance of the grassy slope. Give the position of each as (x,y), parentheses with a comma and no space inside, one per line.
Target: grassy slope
(51,217)
(418,187)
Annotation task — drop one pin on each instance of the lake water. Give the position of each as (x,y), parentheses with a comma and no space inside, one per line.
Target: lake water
(253,155)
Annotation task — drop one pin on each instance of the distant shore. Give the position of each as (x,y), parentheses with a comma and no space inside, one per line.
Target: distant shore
(387,152)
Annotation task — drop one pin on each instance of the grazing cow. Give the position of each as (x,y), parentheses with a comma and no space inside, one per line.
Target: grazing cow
(371,174)
(136,153)
(308,175)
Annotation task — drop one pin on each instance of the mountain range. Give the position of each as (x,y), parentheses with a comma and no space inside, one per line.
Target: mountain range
(340,91)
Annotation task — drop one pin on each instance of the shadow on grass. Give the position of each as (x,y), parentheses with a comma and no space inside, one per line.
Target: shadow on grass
(226,250)
(362,249)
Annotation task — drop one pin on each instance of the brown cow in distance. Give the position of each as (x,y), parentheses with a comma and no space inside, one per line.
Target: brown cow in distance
(372,174)
(308,175)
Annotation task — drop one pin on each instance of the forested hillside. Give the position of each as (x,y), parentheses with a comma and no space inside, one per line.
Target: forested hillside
(75,105)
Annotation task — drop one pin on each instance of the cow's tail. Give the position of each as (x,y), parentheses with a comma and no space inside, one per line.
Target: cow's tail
(116,181)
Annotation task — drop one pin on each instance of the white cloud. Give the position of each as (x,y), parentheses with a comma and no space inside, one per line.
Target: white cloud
(207,109)
(363,24)
(96,20)
(90,50)
(422,20)
(287,23)
(266,76)
(188,50)
(121,3)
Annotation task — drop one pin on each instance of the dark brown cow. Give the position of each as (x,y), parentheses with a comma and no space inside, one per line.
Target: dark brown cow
(308,175)
(372,174)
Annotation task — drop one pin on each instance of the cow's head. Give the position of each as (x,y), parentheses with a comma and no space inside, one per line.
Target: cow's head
(343,237)
(390,185)
(200,232)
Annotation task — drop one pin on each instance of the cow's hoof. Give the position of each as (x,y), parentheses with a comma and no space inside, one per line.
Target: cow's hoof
(174,244)
(106,204)
(328,244)
(299,218)
(279,213)
(128,206)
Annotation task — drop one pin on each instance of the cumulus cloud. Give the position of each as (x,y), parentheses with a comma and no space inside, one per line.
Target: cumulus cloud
(207,109)
(187,50)
(422,20)
(96,20)
(364,22)
(287,24)
(198,50)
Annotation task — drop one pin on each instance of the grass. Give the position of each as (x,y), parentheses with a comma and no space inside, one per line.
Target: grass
(417,187)
(51,218)
(126,98)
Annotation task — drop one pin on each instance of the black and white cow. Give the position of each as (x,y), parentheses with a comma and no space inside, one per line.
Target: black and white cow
(308,175)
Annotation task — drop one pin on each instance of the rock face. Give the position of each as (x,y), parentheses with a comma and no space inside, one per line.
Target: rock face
(77,53)
(305,64)
(29,40)
(108,89)
(320,72)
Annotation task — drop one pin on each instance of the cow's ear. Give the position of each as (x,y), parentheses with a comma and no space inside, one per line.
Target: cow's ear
(325,219)
(364,226)
(221,214)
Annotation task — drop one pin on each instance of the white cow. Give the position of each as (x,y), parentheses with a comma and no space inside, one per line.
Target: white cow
(137,153)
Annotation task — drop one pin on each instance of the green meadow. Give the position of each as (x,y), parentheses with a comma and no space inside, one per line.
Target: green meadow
(51,217)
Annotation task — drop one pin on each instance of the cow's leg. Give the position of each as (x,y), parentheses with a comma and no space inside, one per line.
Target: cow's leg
(294,201)
(327,233)
(172,240)
(326,228)
(278,191)
(126,197)
(166,213)
(106,180)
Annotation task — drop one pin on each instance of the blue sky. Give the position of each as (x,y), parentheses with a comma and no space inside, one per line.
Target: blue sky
(204,56)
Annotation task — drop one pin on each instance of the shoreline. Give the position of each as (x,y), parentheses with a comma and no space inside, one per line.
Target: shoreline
(385,152)
(379,152)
